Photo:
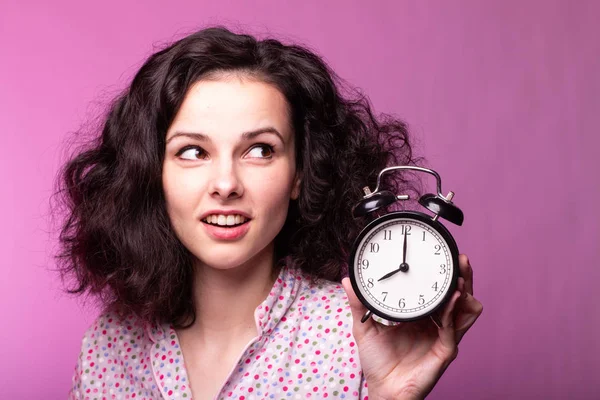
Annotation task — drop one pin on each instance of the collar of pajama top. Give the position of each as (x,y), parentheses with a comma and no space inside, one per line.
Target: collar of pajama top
(281,305)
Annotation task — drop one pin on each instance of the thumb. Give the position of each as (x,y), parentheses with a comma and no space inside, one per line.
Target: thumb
(358,311)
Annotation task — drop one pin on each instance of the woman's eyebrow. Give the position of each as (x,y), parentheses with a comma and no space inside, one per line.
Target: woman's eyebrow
(268,129)
(201,137)
(192,135)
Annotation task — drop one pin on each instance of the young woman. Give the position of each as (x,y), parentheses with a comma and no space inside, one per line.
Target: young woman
(212,216)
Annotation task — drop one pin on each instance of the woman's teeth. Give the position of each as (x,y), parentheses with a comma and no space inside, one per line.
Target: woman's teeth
(225,220)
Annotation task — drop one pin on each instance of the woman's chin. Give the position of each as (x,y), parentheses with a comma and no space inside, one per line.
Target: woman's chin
(234,260)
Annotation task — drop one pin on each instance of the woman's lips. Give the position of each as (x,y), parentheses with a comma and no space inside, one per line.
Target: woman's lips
(225,232)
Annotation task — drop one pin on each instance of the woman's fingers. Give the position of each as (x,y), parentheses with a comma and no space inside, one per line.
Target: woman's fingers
(446,332)
(470,310)
(461,284)
(466,272)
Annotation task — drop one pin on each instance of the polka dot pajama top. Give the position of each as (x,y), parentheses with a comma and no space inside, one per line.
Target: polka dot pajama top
(305,349)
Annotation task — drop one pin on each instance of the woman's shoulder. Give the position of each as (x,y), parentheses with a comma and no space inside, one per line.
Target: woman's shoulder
(323,305)
(113,327)
(112,348)
(318,290)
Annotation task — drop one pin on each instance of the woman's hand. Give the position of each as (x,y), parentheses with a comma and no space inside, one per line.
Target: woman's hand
(405,361)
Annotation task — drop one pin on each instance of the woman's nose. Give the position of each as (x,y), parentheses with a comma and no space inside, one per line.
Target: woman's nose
(226,183)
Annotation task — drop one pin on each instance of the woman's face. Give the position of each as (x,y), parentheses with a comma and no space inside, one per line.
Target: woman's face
(229,170)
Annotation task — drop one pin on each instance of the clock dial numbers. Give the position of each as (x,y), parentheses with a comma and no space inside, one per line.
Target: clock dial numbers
(406,293)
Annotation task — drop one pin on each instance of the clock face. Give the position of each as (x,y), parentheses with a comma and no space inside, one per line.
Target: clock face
(404,268)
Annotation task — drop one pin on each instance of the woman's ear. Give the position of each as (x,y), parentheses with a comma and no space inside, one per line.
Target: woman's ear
(296,186)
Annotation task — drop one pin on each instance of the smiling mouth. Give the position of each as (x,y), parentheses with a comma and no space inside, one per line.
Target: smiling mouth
(225,221)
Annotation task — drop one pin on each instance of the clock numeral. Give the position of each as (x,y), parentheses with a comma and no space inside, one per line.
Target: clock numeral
(370,283)
(424,235)
(406,228)
(401,303)
(365,264)
(374,247)
(384,294)
(387,234)
(437,249)
(443,269)
(421,299)
(435,286)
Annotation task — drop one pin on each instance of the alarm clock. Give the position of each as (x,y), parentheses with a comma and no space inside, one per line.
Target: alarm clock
(404,264)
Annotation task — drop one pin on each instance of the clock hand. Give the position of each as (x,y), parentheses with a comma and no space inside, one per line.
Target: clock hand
(404,250)
(403,267)
(389,274)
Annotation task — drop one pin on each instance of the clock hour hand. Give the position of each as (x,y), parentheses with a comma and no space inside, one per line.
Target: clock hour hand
(389,274)
(403,267)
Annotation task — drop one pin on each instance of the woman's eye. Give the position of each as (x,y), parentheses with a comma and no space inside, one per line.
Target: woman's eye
(191,153)
(261,151)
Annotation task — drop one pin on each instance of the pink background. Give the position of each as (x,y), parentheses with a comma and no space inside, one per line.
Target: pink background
(503,100)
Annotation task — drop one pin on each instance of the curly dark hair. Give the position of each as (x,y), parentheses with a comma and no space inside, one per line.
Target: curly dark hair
(116,240)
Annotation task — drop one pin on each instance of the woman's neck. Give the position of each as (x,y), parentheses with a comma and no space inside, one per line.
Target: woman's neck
(226,299)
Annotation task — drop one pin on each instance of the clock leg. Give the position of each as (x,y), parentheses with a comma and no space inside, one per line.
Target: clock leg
(366,316)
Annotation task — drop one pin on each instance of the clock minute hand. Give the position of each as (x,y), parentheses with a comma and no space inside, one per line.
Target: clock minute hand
(404,250)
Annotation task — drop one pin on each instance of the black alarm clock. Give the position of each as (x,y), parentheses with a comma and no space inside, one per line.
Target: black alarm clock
(404,264)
